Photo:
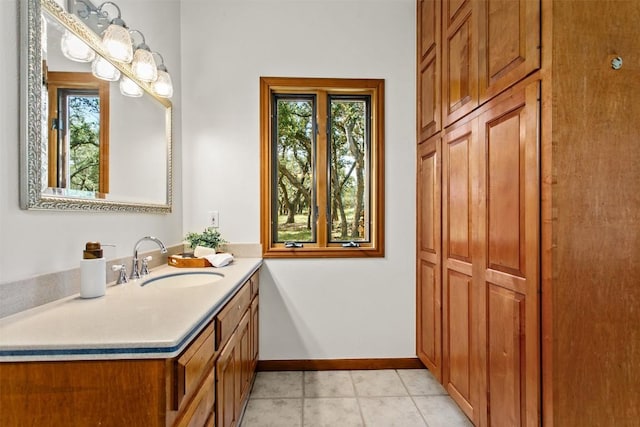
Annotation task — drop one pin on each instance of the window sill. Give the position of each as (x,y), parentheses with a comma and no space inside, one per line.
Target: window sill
(338,252)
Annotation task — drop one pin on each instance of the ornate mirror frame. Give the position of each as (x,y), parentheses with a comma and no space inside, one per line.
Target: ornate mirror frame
(31,126)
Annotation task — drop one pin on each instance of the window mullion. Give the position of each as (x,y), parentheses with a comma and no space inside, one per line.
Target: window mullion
(321,169)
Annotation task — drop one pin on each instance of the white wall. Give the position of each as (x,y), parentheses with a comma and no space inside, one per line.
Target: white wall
(37,242)
(311,309)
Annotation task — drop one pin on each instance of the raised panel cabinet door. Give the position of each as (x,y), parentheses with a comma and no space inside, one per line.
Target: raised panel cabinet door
(509,36)
(429,57)
(508,229)
(459,338)
(459,59)
(244,342)
(227,374)
(255,335)
(429,282)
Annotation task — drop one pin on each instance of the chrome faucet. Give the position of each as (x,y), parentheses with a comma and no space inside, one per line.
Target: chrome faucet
(135,273)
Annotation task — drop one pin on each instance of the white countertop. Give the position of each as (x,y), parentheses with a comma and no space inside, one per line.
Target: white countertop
(129,322)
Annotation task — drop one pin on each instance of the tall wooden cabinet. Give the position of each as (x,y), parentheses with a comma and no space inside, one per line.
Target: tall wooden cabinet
(528,248)
(479,291)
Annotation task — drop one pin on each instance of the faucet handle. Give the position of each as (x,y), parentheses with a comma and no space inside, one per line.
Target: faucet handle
(144,270)
(122,277)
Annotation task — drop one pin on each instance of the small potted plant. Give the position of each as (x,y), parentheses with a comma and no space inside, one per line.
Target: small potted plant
(209,238)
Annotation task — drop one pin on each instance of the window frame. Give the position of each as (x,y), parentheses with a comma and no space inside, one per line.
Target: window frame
(59,81)
(323,87)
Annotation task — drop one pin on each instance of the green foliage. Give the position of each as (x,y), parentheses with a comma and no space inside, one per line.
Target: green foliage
(209,238)
(84,142)
(295,153)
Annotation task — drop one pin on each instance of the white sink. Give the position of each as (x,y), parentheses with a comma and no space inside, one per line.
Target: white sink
(185,279)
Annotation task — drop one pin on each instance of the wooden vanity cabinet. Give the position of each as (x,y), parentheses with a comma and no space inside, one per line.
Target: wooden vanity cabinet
(235,367)
(206,385)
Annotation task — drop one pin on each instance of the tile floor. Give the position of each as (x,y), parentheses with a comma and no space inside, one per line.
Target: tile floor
(373,398)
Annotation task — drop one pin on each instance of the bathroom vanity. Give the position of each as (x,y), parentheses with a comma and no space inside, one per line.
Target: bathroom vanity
(153,352)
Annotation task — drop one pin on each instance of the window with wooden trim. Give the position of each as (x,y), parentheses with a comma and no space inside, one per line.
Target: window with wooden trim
(78,132)
(322,167)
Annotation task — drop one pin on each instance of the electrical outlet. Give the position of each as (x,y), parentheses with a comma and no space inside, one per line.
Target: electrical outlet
(214,219)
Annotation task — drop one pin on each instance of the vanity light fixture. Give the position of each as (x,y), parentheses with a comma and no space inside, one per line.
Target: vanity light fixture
(103,69)
(116,38)
(117,42)
(130,88)
(144,66)
(163,87)
(75,49)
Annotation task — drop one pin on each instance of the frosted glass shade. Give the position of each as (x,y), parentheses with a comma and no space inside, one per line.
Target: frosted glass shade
(163,86)
(144,66)
(103,69)
(130,88)
(75,49)
(117,42)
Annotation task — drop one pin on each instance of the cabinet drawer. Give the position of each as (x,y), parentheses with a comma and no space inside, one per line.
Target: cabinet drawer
(193,364)
(199,412)
(230,316)
(255,284)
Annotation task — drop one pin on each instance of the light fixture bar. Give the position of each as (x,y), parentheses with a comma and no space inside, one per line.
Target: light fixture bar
(89,14)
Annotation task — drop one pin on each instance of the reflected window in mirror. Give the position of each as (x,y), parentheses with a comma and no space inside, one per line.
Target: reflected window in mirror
(78,132)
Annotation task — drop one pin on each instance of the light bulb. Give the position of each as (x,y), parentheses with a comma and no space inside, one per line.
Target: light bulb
(130,88)
(163,86)
(75,49)
(117,42)
(144,66)
(103,69)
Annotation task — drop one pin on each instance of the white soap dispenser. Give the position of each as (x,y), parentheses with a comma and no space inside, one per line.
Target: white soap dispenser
(93,272)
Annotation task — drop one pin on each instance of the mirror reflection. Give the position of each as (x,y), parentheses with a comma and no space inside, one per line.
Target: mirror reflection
(98,149)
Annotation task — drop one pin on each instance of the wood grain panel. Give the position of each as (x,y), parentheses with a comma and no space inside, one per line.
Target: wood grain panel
(228,382)
(508,228)
(255,334)
(429,120)
(427,203)
(458,303)
(454,8)
(595,263)
(505,370)
(338,364)
(429,26)
(459,73)
(505,193)
(456,167)
(509,36)
(429,257)
(428,60)
(41,393)
(244,342)
(429,344)
(460,67)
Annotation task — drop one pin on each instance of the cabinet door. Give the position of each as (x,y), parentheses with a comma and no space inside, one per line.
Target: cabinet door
(429,284)
(508,230)
(244,344)
(255,335)
(227,372)
(509,36)
(460,341)
(459,59)
(428,60)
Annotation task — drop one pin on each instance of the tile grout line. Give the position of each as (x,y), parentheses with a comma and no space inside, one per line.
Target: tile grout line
(304,374)
(357,397)
(411,396)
